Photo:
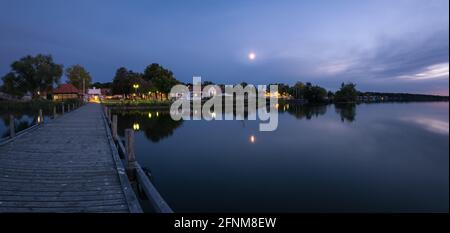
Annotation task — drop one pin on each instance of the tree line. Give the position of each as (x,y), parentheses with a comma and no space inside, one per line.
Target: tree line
(316,94)
(155,79)
(40,74)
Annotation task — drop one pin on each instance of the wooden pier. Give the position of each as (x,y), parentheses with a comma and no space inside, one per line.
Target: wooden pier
(70,164)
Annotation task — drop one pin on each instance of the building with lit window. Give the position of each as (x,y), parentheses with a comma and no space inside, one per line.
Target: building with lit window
(66,92)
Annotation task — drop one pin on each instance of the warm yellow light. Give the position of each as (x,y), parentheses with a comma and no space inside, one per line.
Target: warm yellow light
(149,115)
(252,139)
(136,86)
(135,126)
(157,114)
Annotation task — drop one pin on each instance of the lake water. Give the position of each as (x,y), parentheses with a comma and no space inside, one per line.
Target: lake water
(390,157)
(22,121)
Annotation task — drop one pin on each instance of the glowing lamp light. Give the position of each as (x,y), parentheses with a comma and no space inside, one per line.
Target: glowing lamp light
(135,126)
(252,139)
(150,115)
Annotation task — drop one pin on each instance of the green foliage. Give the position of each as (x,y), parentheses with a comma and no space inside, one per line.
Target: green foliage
(283,89)
(347,93)
(313,94)
(137,103)
(161,79)
(125,79)
(76,74)
(32,74)
(99,85)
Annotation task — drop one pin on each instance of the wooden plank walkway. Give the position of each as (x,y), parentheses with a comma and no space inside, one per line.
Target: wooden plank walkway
(66,165)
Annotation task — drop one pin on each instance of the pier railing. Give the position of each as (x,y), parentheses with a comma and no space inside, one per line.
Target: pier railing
(134,171)
(65,108)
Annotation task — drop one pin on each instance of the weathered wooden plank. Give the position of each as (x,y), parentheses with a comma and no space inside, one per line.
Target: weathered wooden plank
(104,197)
(49,180)
(59,204)
(132,201)
(65,165)
(61,193)
(93,209)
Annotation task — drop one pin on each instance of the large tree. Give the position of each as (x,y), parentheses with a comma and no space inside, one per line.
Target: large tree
(79,77)
(161,79)
(125,79)
(313,94)
(99,85)
(32,74)
(347,93)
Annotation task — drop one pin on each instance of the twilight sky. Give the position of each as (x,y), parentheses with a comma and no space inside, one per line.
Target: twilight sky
(396,46)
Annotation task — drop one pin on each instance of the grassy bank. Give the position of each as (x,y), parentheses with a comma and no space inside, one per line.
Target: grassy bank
(137,104)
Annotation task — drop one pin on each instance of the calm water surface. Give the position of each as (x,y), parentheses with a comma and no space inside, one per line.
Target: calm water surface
(366,158)
(22,121)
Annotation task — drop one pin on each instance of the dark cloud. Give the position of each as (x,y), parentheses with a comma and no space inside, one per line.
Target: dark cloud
(385,65)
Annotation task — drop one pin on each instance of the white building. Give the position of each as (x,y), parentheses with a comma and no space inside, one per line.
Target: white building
(94,94)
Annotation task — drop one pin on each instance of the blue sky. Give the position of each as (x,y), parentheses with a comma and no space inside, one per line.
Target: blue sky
(396,46)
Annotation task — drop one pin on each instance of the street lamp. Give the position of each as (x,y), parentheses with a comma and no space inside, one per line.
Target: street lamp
(135,86)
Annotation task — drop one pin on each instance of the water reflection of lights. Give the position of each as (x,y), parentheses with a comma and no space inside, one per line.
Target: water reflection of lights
(39,120)
(150,115)
(252,139)
(157,114)
(135,126)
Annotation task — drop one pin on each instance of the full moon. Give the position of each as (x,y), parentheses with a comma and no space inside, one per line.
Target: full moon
(251,56)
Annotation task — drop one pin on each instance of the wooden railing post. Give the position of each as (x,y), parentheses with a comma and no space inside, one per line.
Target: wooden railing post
(62,111)
(73,106)
(40,117)
(54,112)
(114,127)
(129,147)
(12,129)
(109,115)
(68,107)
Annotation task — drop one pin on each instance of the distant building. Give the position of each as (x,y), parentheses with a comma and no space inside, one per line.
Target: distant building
(66,92)
(94,94)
